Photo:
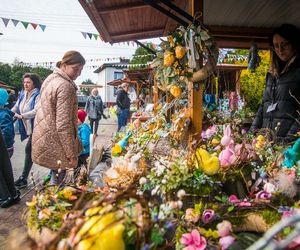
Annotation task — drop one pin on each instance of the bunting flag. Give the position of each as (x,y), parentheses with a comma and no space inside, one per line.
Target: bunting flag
(34,25)
(25,24)
(15,22)
(43,27)
(5,21)
(84,34)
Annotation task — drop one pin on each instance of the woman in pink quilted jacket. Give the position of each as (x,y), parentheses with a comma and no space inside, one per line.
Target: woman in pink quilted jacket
(55,142)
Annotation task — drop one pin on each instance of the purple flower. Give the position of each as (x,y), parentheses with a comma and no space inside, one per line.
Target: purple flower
(146,247)
(264,195)
(244,131)
(208,215)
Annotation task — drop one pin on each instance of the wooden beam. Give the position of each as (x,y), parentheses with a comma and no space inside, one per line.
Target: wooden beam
(135,33)
(91,9)
(117,8)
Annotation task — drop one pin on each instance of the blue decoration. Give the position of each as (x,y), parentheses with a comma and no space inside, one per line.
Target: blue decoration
(292,155)
(124,142)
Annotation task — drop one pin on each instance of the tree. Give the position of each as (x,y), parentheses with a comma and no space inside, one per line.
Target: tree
(5,72)
(253,83)
(141,56)
(87,91)
(12,75)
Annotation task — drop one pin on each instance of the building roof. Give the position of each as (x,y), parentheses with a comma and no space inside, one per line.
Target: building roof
(119,65)
(233,23)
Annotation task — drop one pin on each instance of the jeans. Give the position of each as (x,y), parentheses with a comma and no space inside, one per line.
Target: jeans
(96,121)
(123,116)
(28,160)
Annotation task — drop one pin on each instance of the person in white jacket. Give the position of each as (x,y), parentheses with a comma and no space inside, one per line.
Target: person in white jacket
(25,111)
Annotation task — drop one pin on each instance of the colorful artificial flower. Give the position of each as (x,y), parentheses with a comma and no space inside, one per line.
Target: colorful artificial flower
(224,228)
(263,195)
(193,241)
(269,187)
(191,215)
(208,215)
(226,241)
(116,149)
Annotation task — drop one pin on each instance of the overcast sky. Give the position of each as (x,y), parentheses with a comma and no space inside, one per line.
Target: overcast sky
(64,20)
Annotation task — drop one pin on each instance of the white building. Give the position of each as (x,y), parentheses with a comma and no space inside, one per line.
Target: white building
(108,72)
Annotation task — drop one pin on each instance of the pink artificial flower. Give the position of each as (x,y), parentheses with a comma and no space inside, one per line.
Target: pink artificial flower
(208,215)
(233,199)
(224,228)
(264,195)
(193,241)
(244,203)
(226,241)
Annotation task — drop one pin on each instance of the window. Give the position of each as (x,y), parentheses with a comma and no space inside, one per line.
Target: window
(117,75)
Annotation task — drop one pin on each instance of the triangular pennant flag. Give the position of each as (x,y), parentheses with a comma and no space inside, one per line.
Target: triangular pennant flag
(15,22)
(43,27)
(34,25)
(84,34)
(25,24)
(90,35)
(5,21)
(95,36)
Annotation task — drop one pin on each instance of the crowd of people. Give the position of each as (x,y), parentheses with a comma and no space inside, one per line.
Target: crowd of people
(58,137)
(48,118)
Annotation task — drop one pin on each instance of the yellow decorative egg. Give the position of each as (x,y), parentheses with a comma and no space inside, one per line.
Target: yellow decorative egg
(169,59)
(180,52)
(175,91)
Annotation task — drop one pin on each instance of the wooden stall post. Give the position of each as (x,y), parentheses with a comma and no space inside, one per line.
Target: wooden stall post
(155,97)
(196,89)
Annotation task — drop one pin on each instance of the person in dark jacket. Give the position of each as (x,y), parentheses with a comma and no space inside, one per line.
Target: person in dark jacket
(94,109)
(8,193)
(123,104)
(280,107)
(6,123)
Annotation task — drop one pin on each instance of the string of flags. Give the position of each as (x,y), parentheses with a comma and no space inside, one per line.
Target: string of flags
(25,24)
(90,63)
(231,58)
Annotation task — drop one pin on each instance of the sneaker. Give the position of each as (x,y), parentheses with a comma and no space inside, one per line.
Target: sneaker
(11,200)
(21,183)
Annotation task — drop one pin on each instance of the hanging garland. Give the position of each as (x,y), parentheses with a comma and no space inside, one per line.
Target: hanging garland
(178,61)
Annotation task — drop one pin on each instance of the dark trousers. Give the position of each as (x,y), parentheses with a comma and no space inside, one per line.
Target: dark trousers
(28,160)
(96,122)
(7,186)
(123,116)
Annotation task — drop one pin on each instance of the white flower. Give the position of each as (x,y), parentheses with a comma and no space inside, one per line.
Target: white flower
(179,204)
(181,193)
(269,187)
(160,169)
(163,181)
(142,181)
(154,191)
(59,162)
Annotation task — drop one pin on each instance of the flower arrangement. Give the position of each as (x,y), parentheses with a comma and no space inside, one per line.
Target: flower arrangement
(178,59)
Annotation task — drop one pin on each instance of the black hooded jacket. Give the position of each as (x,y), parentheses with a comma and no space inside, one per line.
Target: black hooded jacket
(284,113)
(123,101)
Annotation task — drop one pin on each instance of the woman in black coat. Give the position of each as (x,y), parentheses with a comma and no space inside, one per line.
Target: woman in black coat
(280,107)
(8,193)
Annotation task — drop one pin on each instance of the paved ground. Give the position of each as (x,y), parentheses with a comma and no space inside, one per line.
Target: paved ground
(11,218)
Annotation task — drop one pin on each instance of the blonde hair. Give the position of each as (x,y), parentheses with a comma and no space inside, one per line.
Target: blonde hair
(71,57)
(124,85)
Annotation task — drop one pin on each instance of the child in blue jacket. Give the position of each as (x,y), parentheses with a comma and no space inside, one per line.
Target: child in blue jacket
(84,133)
(6,123)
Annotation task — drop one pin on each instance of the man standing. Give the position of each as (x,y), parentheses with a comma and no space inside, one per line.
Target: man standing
(123,103)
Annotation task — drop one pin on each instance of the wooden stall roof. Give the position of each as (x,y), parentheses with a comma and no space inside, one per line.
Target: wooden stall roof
(234,23)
